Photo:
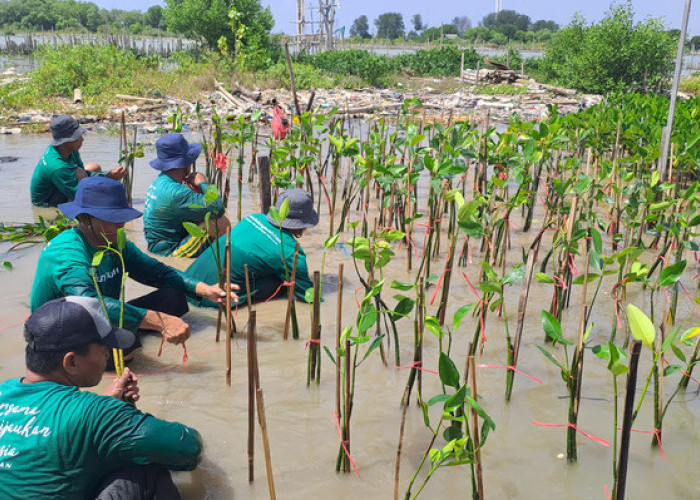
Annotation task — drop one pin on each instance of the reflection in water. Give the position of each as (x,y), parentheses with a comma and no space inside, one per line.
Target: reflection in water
(520,459)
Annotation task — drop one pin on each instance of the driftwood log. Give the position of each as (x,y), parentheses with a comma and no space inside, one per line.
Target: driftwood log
(253,95)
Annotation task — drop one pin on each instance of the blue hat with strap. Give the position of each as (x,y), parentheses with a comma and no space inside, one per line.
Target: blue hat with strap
(174,152)
(102,198)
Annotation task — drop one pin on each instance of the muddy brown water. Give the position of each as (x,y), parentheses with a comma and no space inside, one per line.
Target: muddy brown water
(521,460)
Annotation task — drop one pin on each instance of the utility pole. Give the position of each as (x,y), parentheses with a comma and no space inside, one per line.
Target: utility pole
(666,135)
(499,6)
(301,21)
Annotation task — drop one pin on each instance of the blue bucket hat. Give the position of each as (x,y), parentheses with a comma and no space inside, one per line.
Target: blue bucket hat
(102,198)
(174,152)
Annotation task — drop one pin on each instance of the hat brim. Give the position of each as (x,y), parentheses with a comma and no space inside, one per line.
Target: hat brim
(310,221)
(119,338)
(114,215)
(79,132)
(193,152)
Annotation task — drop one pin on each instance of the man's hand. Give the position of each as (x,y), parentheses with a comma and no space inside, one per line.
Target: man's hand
(198,179)
(215,293)
(80,173)
(172,328)
(124,388)
(117,173)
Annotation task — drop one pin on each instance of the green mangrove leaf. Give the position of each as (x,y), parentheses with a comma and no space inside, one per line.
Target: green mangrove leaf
(284,210)
(669,340)
(7,264)
(457,399)
(400,285)
(440,398)
(679,354)
(431,323)
(309,295)
(578,280)
(514,275)
(543,278)
(690,333)
(403,308)
(330,242)
(490,287)
(121,239)
(393,235)
(671,274)
(449,375)
(597,241)
(373,346)
(641,326)
(551,326)
(549,356)
(97,258)
(460,314)
(328,351)
(671,369)
(194,230)
(358,242)
(368,319)
(452,433)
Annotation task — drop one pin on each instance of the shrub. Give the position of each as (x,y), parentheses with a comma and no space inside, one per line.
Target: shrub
(614,54)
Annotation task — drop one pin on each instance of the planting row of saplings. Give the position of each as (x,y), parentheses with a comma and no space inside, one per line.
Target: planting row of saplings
(599,216)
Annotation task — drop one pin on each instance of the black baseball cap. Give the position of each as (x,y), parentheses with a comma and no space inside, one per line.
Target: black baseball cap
(68,322)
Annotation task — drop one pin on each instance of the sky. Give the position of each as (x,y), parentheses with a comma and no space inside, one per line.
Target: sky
(434,12)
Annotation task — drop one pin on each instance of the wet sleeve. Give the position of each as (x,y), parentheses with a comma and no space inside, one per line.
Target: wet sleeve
(123,434)
(65,180)
(153,272)
(191,206)
(73,278)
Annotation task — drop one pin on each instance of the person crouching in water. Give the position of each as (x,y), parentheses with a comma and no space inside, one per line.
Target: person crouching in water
(258,242)
(176,197)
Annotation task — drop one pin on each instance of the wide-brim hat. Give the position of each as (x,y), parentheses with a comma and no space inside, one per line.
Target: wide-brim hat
(65,128)
(69,322)
(174,152)
(301,210)
(102,198)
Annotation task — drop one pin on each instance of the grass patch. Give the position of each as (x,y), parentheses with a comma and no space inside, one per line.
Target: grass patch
(691,84)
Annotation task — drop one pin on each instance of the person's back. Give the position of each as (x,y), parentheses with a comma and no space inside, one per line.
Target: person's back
(54,180)
(58,441)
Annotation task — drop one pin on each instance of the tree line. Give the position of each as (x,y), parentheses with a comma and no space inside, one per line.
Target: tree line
(497,28)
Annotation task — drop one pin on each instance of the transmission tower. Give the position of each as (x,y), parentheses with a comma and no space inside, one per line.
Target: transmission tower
(321,30)
(499,6)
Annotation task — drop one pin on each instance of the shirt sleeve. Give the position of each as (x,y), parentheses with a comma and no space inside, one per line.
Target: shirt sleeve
(302,282)
(123,434)
(152,272)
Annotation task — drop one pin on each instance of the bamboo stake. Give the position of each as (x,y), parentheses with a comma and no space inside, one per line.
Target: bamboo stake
(247,290)
(251,400)
(337,338)
(297,111)
(261,407)
(314,351)
(627,421)
(475,431)
(227,271)
(348,407)
(290,294)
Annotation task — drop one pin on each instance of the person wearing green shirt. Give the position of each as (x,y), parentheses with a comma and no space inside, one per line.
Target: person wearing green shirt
(258,242)
(176,197)
(56,176)
(66,266)
(59,442)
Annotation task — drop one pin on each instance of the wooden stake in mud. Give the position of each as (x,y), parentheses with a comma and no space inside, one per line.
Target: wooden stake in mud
(251,400)
(264,179)
(297,111)
(475,431)
(338,330)
(247,289)
(261,404)
(619,491)
(227,272)
(290,295)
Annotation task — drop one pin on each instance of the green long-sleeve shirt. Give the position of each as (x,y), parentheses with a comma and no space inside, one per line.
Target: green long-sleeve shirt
(256,242)
(64,269)
(168,204)
(58,442)
(54,176)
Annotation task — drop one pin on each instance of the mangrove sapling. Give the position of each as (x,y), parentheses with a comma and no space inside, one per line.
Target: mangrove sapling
(128,152)
(461,448)
(118,354)
(615,357)
(642,328)
(348,357)
(569,369)
(33,233)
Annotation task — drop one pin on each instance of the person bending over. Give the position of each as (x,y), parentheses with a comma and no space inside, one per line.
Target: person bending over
(66,266)
(258,241)
(176,197)
(58,172)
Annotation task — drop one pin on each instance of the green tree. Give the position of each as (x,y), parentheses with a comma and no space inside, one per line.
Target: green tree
(360,27)
(154,17)
(479,33)
(243,26)
(463,23)
(389,25)
(544,25)
(506,17)
(615,54)
(417,22)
